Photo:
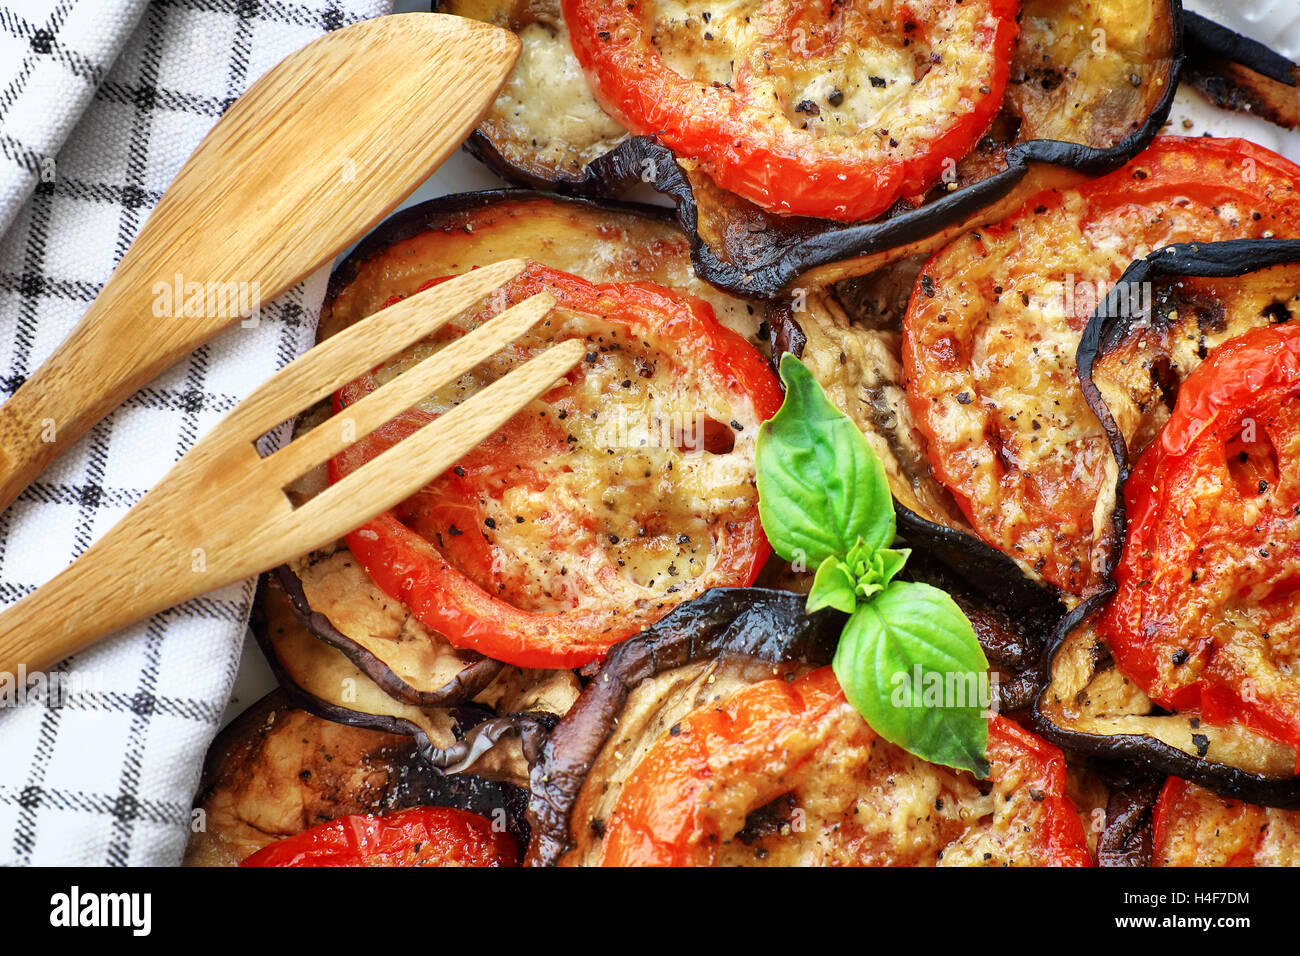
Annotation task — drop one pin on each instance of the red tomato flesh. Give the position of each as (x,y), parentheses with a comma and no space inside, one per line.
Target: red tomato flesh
(1194,827)
(420,836)
(994,323)
(686,802)
(1206,615)
(624,491)
(813,109)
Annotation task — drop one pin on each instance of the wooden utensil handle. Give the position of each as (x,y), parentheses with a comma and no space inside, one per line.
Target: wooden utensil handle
(116,348)
(41,420)
(133,571)
(52,623)
(61,618)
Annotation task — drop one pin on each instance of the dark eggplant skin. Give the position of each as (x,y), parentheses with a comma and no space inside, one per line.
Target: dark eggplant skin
(1237,73)
(260,624)
(983,570)
(793,246)
(1126,839)
(470,730)
(1202,37)
(1105,329)
(752,622)
(276,762)
(760,254)
(463,686)
(1109,323)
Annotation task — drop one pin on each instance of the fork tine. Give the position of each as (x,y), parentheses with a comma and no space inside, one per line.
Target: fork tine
(395,397)
(359,348)
(402,470)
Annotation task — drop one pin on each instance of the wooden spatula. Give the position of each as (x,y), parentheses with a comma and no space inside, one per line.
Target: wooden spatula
(315,153)
(221,514)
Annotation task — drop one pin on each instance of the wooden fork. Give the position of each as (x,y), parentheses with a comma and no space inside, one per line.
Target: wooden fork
(317,151)
(221,514)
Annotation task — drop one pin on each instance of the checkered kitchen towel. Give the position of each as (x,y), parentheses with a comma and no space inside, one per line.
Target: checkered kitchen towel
(100,103)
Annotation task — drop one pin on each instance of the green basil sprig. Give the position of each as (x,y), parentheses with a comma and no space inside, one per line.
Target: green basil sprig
(825,502)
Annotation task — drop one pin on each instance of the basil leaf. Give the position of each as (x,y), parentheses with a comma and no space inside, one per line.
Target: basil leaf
(820,486)
(909,663)
(832,587)
(871,570)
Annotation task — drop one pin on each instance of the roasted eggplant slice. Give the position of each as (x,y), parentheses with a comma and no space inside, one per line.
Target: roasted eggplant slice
(1238,73)
(1089,707)
(993,325)
(322,680)
(1125,840)
(1131,361)
(600,242)
(379,635)
(1075,106)
(723,639)
(712,653)
(849,337)
(1131,365)
(278,770)
(333,595)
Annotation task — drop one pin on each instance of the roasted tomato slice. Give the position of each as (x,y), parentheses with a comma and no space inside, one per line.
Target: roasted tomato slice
(994,322)
(1194,827)
(850,798)
(625,490)
(1206,615)
(421,836)
(821,109)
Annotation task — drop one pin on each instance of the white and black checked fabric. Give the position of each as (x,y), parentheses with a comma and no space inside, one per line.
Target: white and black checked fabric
(58,52)
(103,772)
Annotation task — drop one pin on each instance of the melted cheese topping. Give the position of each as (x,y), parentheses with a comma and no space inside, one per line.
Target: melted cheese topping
(859,801)
(545,117)
(849,71)
(790,774)
(1204,829)
(991,364)
(622,503)
(837,84)
(1090,71)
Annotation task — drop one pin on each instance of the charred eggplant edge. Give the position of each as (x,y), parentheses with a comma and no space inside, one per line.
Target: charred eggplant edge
(1105,328)
(468,682)
(413,220)
(1237,73)
(608,175)
(1202,37)
(1125,840)
(733,620)
(415,785)
(477,727)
